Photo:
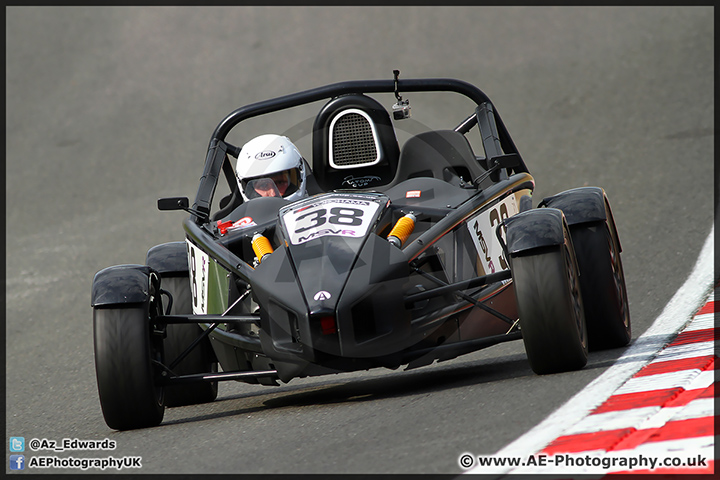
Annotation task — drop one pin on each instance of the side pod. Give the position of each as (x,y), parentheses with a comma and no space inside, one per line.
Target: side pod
(533,229)
(122,284)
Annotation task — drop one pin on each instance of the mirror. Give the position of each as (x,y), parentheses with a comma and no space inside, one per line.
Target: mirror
(173,203)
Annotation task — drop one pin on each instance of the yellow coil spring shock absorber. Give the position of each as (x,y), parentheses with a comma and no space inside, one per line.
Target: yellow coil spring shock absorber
(261,246)
(402,230)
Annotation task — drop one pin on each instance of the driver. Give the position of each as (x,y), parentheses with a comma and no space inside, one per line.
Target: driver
(271,166)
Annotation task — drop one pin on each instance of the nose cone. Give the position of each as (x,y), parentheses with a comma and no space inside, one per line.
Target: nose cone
(323,266)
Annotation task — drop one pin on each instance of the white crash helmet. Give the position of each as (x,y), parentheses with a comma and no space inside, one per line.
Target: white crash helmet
(271,165)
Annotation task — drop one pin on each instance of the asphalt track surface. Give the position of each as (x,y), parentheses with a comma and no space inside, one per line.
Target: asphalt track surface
(109,109)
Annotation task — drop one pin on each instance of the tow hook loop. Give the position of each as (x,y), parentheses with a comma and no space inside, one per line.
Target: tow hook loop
(402,230)
(261,246)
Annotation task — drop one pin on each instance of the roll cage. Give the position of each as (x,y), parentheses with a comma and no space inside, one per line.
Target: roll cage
(495,138)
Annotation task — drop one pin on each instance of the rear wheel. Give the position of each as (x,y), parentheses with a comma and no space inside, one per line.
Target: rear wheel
(550,307)
(125,350)
(602,281)
(180,336)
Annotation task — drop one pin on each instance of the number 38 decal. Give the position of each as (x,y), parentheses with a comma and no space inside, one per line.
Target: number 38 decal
(482,230)
(336,216)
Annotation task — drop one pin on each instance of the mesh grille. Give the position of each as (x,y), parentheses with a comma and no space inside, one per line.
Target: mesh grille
(352,141)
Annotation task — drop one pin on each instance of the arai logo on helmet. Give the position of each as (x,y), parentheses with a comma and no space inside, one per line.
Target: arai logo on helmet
(265,155)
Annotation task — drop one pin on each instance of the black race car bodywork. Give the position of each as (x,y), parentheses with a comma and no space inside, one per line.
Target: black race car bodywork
(401,255)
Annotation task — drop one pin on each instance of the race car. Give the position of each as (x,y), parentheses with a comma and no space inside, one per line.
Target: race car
(400,254)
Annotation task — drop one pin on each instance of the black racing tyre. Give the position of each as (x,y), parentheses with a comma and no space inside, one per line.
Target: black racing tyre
(602,281)
(179,336)
(124,351)
(550,308)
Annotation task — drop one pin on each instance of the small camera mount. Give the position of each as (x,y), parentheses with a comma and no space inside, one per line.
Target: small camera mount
(401,110)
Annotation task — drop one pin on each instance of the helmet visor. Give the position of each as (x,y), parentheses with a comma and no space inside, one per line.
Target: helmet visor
(280,184)
(261,187)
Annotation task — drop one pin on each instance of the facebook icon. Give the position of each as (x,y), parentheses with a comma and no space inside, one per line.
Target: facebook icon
(17,462)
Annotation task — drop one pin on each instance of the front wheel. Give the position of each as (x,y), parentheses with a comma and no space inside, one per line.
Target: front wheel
(125,350)
(550,307)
